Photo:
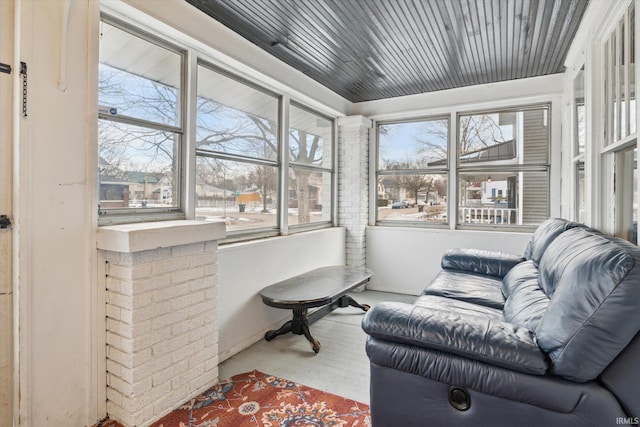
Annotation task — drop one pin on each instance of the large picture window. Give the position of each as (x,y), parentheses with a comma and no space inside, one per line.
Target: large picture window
(503,167)
(412,171)
(140,129)
(240,157)
(219,152)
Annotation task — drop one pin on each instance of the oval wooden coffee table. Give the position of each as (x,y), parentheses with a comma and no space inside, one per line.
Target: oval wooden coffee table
(324,287)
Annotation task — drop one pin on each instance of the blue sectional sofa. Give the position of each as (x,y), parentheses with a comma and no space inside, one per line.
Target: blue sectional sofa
(547,338)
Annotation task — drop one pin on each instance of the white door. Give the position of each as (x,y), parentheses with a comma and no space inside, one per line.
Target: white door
(6,179)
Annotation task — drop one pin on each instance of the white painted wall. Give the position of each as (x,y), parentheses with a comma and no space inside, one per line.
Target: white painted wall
(56,216)
(246,268)
(405,260)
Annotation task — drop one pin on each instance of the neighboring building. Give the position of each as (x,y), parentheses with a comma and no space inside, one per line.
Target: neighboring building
(114,192)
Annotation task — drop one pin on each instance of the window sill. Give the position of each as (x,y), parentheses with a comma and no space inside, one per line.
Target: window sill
(138,237)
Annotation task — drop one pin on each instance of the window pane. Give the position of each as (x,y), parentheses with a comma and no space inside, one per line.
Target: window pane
(626,194)
(309,196)
(310,137)
(580,193)
(615,49)
(244,195)
(516,198)
(420,197)
(235,118)
(413,145)
(580,117)
(137,167)
(508,137)
(632,67)
(138,78)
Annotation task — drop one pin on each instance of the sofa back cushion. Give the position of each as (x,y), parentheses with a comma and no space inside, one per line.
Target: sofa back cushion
(525,302)
(593,282)
(544,235)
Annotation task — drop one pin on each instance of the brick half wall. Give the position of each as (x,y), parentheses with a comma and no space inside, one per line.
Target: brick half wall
(161,328)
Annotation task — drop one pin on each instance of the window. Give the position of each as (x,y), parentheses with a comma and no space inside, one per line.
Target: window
(237,152)
(503,167)
(626,194)
(226,140)
(412,171)
(580,208)
(619,58)
(140,129)
(239,158)
(579,139)
(619,149)
(310,167)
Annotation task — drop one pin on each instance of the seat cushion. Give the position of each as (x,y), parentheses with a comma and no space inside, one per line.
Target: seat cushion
(518,275)
(433,302)
(526,305)
(525,302)
(594,285)
(469,287)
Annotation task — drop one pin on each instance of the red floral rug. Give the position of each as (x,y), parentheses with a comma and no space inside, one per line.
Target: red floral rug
(257,399)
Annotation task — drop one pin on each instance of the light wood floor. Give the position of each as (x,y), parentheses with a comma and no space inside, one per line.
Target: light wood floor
(341,367)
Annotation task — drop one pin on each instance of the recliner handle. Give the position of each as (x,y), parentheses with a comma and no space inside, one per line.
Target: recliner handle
(459,398)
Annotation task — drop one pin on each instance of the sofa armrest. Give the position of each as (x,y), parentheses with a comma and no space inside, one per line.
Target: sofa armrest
(487,340)
(492,263)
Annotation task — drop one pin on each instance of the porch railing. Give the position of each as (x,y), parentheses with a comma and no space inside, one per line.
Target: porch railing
(487,215)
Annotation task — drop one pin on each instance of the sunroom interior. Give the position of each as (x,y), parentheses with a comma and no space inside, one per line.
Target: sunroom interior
(147,141)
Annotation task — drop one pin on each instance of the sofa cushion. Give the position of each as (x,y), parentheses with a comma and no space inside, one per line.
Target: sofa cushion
(525,302)
(594,285)
(480,338)
(526,305)
(518,275)
(461,307)
(465,286)
(491,263)
(544,235)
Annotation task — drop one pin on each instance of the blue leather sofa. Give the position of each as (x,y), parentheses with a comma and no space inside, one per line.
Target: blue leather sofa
(549,338)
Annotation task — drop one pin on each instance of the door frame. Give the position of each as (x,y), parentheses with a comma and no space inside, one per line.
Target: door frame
(8,81)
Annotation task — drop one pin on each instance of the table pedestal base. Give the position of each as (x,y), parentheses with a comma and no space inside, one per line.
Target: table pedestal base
(301,320)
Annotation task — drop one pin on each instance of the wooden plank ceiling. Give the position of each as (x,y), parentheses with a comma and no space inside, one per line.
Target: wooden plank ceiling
(374,49)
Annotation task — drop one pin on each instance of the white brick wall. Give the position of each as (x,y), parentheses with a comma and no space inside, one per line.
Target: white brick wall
(162,339)
(353,184)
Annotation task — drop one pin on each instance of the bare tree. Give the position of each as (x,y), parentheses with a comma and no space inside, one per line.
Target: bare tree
(304,150)
(475,132)
(219,128)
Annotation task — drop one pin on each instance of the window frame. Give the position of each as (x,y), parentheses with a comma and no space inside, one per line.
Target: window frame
(429,170)
(498,166)
(261,232)
(191,57)
(132,215)
(314,168)
(618,137)
(578,152)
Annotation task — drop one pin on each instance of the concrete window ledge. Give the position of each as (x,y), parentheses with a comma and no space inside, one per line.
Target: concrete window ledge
(129,238)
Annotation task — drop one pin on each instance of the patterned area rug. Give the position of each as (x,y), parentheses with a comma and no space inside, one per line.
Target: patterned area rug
(257,399)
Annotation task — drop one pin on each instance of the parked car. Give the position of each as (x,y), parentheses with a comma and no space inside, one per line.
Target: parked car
(408,203)
(398,205)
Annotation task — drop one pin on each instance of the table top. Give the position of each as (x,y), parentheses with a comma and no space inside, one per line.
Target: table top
(315,288)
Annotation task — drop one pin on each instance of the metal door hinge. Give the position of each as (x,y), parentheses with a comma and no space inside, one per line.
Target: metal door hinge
(5,221)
